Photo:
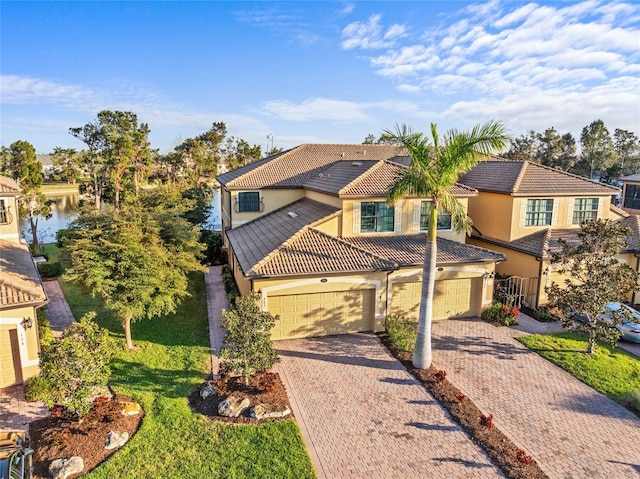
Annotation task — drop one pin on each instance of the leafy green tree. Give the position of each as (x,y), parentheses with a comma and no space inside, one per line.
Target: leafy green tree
(25,168)
(594,276)
(118,152)
(247,342)
(627,147)
(66,163)
(548,148)
(523,148)
(137,260)
(201,155)
(239,153)
(597,150)
(434,169)
(76,366)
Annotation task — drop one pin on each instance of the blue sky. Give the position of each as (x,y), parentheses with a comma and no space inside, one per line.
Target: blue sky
(316,72)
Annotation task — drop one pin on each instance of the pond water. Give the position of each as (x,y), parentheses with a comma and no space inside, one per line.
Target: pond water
(64,209)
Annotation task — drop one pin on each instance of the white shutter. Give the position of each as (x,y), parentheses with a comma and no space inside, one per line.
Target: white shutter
(570,209)
(523,211)
(397,220)
(600,207)
(554,213)
(355,217)
(417,209)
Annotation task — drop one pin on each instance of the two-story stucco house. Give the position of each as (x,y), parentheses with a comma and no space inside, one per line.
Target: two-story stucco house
(310,230)
(522,209)
(21,293)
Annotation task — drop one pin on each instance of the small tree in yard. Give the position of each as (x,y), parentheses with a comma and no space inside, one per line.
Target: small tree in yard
(75,366)
(593,278)
(247,342)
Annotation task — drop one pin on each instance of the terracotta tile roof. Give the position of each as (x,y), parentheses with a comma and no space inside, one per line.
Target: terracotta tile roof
(544,243)
(293,168)
(523,178)
(9,186)
(339,175)
(253,241)
(313,252)
(408,250)
(19,279)
(619,211)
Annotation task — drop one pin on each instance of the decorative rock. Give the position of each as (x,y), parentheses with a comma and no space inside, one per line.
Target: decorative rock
(233,406)
(116,439)
(208,390)
(265,411)
(131,408)
(63,468)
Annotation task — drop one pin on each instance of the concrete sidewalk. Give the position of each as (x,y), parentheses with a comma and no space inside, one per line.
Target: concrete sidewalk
(216,302)
(570,429)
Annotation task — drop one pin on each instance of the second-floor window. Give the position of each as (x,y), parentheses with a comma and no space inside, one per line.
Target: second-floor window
(585,209)
(444,218)
(632,197)
(376,216)
(539,212)
(4,214)
(248,201)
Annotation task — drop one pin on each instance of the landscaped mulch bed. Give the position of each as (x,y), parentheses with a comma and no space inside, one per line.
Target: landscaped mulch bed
(513,461)
(264,388)
(61,435)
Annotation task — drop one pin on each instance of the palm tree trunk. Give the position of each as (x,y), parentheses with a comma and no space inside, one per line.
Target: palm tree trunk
(127,332)
(422,354)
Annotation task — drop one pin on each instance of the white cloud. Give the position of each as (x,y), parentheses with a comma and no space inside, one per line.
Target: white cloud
(316,109)
(370,35)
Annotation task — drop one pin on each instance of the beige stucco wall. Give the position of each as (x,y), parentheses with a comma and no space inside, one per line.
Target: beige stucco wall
(486,209)
(28,341)
(10,231)
(409,220)
(271,199)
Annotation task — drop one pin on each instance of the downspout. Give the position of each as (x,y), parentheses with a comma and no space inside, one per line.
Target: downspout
(539,260)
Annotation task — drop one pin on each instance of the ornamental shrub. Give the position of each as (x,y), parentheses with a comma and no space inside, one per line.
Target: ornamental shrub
(247,346)
(76,366)
(402,332)
(501,314)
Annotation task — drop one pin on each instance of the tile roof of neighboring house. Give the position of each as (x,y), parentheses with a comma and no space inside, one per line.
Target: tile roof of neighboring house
(409,250)
(9,186)
(635,177)
(254,240)
(619,211)
(633,222)
(19,280)
(523,178)
(293,168)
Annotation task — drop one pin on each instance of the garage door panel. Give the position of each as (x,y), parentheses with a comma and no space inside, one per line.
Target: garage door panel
(319,314)
(452,298)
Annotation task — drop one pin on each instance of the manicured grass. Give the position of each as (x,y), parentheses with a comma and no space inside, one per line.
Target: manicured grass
(173,441)
(611,371)
(49,188)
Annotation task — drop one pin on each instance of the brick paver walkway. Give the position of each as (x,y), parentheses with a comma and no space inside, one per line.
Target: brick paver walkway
(571,430)
(58,310)
(15,412)
(362,415)
(216,302)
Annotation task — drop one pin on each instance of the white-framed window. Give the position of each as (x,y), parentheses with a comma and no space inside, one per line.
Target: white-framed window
(444,218)
(4,213)
(376,216)
(584,209)
(539,212)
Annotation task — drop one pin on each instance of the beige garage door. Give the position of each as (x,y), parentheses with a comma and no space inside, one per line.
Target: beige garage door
(9,358)
(322,314)
(453,298)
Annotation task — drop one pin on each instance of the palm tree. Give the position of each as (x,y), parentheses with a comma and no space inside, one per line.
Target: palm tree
(433,171)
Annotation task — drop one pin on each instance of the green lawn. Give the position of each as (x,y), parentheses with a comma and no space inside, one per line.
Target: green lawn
(173,441)
(52,188)
(611,371)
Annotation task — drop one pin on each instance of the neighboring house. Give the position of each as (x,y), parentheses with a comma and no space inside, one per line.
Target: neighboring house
(310,230)
(47,165)
(522,209)
(21,293)
(631,194)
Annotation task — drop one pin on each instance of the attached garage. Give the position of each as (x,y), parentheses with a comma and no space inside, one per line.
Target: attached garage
(322,314)
(454,298)
(9,358)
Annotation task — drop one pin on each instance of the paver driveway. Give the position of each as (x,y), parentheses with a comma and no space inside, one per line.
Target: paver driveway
(571,430)
(362,415)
